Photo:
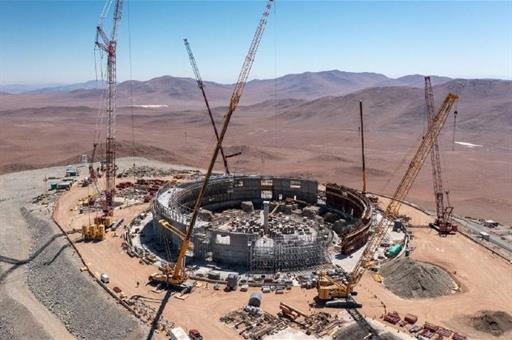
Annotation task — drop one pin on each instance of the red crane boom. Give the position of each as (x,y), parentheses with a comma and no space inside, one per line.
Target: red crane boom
(109,46)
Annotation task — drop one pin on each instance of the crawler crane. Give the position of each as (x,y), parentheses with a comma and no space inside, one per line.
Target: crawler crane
(329,289)
(443,222)
(176,275)
(107,45)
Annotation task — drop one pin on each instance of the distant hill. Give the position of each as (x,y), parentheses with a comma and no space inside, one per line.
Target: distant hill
(23,88)
(485,106)
(182,93)
(88,85)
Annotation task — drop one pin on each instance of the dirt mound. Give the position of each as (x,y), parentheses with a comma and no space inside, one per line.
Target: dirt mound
(492,322)
(412,279)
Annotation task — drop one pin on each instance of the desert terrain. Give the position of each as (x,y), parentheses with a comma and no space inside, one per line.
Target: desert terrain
(303,124)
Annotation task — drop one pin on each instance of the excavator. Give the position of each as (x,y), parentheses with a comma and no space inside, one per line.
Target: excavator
(329,289)
(175,275)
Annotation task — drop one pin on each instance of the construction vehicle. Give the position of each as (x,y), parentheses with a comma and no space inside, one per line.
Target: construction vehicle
(194,334)
(443,222)
(176,275)
(108,46)
(328,288)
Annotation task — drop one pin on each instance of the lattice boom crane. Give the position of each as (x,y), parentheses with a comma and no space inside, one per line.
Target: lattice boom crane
(109,46)
(443,214)
(327,288)
(200,84)
(178,273)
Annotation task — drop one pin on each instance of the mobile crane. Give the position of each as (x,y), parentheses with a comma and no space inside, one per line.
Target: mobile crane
(328,288)
(176,275)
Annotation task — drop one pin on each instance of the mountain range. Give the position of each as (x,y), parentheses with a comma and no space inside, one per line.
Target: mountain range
(290,85)
(182,93)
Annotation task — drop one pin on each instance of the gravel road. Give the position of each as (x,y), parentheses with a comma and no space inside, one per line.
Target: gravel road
(43,294)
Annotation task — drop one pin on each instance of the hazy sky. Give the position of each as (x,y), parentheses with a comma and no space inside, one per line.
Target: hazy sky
(52,41)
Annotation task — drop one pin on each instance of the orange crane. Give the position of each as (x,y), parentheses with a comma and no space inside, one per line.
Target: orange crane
(443,213)
(200,84)
(177,276)
(329,289)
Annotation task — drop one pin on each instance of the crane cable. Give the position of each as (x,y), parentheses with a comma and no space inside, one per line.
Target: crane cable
(130,89)
(274,118)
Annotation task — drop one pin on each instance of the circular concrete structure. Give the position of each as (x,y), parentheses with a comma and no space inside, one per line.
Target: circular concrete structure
(260,223)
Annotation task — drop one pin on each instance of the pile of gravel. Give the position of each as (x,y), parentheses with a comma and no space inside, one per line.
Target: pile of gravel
(492,322)
(412,279)
(56,281)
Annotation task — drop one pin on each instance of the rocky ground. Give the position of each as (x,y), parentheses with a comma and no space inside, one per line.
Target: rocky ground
(43,294)
(495,323)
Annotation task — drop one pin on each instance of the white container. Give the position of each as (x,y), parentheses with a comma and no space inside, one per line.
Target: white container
(177,333)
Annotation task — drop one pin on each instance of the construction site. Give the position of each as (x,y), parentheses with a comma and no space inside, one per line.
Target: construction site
(206,253)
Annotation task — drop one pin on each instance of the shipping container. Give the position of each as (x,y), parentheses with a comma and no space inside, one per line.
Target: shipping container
(410,318)
(394,250)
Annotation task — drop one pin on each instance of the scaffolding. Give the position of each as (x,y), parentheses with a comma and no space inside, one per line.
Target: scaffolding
(285,254)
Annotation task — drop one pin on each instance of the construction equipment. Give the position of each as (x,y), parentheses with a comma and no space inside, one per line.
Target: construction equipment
(454,127)
(92,173)
(362,147)
(328,288)
(109,46)
(95,232)
(443,222)
(178,275)
(200,84)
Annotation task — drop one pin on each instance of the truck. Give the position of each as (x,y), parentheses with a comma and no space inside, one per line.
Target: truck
(195,335)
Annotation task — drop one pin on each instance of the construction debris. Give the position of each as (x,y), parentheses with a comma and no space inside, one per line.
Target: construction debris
(252,324)
(147,313)
(145,171)
(319,324)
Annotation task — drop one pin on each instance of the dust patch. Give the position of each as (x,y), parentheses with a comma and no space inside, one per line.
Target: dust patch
(495,323)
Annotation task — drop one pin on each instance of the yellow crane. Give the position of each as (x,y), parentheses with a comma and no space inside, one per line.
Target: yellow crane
(176,275)
(328,288)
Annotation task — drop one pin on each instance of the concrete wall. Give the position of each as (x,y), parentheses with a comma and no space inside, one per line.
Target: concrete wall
(223,193)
